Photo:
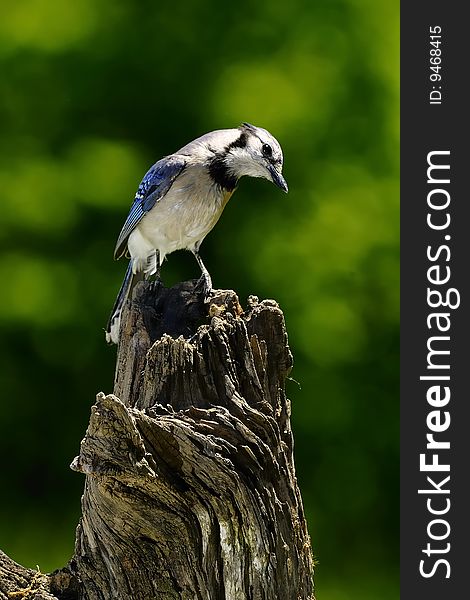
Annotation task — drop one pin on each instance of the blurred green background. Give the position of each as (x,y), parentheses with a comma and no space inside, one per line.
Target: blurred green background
(92,92)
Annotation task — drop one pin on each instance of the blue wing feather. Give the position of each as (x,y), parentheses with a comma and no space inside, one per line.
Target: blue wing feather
(155,184)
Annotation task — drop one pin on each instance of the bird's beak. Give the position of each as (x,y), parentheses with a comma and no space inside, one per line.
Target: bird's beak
(278,179)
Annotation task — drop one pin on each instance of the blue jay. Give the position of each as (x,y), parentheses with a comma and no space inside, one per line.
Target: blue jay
(181,198)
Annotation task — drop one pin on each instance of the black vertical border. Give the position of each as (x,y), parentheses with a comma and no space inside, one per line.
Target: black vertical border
(425,128)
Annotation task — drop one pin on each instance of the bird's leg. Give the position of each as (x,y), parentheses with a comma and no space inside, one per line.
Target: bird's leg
(156,281)
(158,265)
(205,277)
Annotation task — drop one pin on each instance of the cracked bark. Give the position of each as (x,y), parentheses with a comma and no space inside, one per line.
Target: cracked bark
(190,489)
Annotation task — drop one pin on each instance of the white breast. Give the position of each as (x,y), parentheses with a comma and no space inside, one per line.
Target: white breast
(178,221)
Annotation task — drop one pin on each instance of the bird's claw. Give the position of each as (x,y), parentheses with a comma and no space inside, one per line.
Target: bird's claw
(204,284)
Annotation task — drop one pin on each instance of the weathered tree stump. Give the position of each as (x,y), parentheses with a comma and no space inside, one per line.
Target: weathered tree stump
(190,488)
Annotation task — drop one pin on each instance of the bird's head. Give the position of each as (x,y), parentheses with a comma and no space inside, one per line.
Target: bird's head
(254,152)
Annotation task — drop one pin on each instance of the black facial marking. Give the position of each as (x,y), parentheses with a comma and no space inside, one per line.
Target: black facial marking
(220,174)
(240,142)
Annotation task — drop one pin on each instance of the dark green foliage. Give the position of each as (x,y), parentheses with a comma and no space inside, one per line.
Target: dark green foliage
(91,94)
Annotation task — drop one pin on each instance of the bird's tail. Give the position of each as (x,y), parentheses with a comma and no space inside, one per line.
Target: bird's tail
(114,322)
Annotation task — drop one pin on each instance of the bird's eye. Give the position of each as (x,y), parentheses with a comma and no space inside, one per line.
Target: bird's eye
(267,150)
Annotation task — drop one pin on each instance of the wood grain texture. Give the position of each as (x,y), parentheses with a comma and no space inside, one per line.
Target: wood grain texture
(22,584)
(190,488)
